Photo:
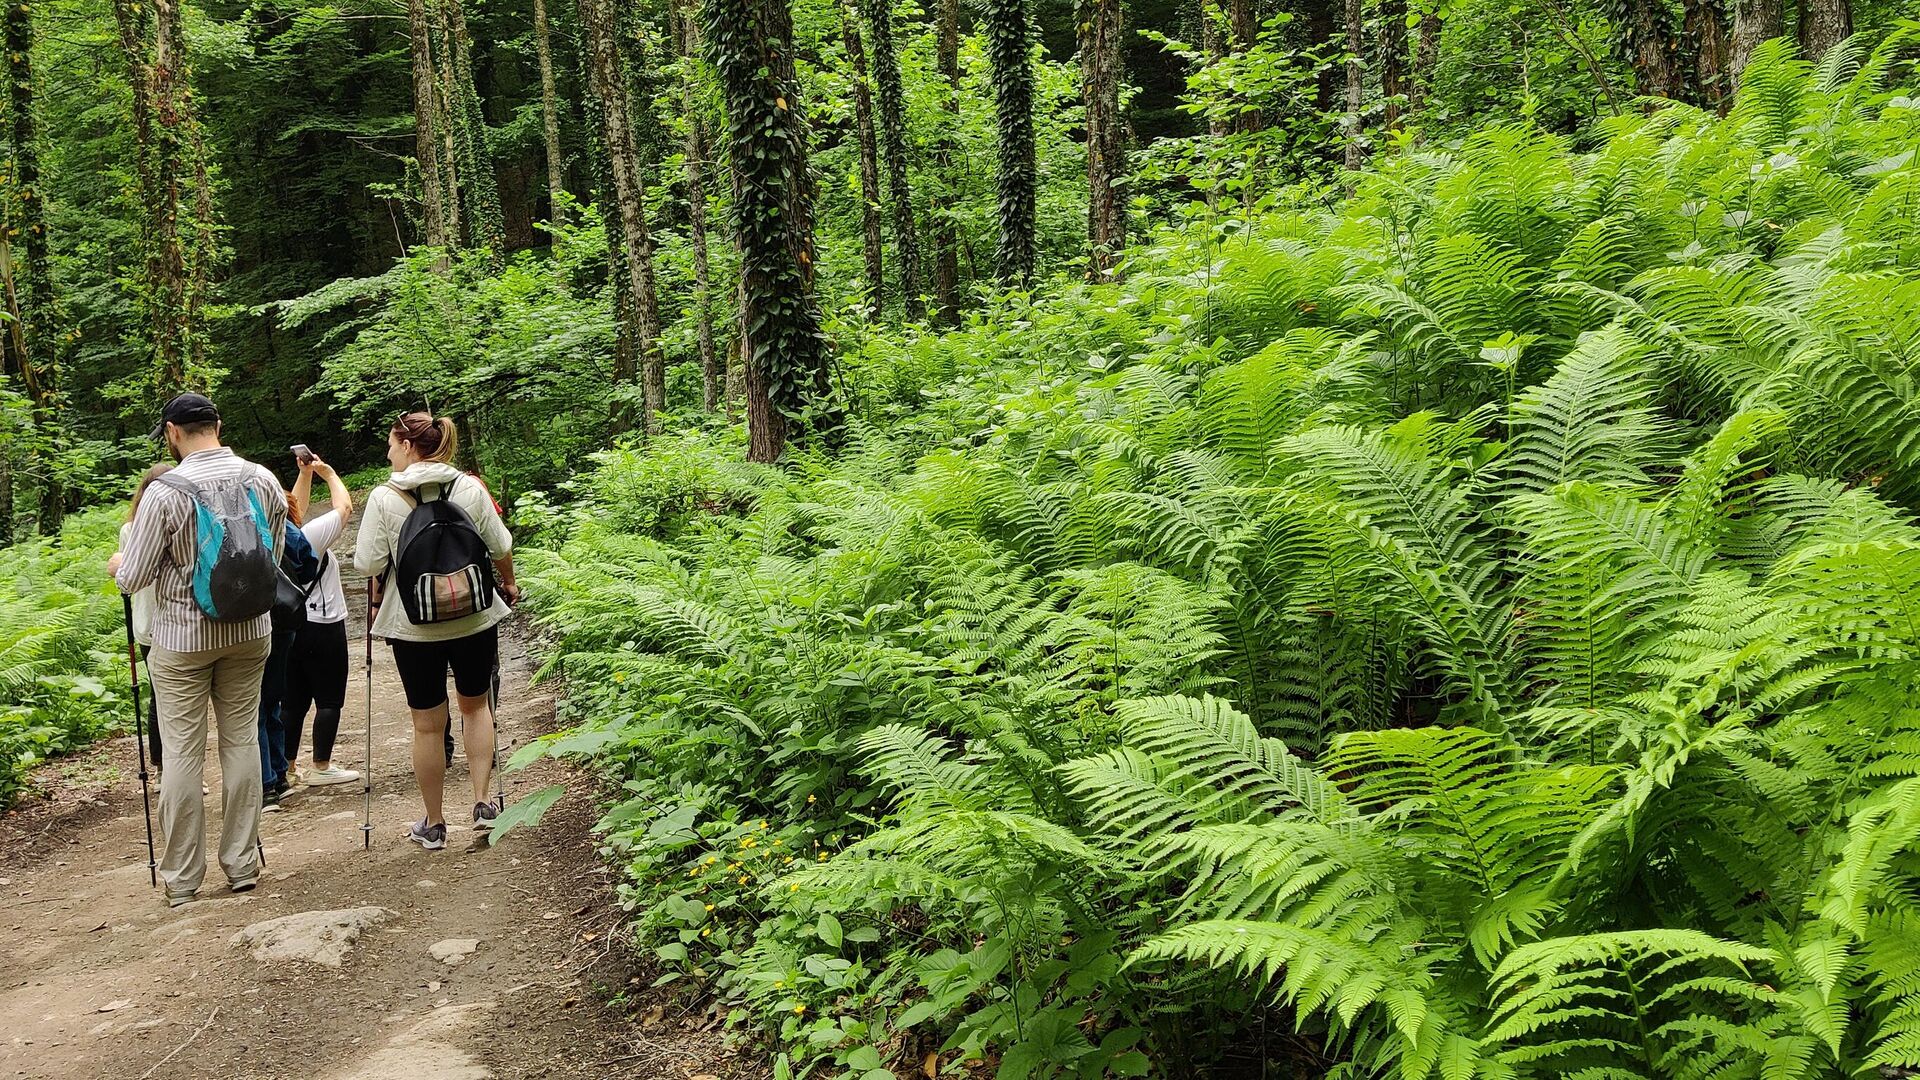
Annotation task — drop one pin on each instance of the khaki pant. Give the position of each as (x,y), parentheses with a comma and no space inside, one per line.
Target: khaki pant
(184,685)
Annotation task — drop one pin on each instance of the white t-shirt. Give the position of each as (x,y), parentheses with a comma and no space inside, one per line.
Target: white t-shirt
(143,601)
(327,603)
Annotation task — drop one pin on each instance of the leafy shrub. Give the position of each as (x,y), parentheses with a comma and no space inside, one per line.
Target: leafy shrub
(1471,627)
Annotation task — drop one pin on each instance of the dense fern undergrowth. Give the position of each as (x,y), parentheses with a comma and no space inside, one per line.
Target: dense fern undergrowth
(62,657)
(1469,631)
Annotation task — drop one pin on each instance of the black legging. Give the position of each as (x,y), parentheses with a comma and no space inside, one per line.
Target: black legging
(316,676)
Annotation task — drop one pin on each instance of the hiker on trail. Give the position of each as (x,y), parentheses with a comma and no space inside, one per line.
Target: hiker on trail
(208,535)
(299,572)
(433,538)
(143,602)
(317,666)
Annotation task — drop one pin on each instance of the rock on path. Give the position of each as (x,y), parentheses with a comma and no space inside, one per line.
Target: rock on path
(316,937)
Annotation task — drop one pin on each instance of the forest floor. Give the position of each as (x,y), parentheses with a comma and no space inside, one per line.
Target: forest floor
(99,979)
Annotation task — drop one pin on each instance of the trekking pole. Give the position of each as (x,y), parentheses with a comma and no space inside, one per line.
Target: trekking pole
(139,736)
(366,830)
(493,710)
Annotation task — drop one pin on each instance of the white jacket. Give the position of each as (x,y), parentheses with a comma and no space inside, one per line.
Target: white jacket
(379,533)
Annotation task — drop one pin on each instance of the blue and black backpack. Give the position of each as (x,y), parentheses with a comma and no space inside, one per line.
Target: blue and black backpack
(233,576)
(299,572)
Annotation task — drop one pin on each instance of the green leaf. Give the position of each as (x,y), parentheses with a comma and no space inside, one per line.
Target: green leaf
(829,930)
(527,811)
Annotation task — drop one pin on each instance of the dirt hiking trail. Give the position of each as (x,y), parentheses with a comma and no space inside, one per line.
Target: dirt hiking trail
(98,979)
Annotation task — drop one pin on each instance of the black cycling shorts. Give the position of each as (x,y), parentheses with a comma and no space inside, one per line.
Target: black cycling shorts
(424,664)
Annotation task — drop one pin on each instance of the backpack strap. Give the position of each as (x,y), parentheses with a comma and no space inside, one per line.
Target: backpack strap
(322,572)
(184,485)
(405,495)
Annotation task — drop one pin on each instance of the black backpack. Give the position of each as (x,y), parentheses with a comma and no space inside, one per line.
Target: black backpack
(299,572)
(441,566)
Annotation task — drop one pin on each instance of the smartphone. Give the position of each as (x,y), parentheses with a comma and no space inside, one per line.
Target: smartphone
(300,453)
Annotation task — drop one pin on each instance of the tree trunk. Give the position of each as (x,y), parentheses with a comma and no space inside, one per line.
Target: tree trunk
(549,114)
(177,274)
(1426,57)
(479,186)
(1100,63)
(1706,33)
(946,244)
(452,157)
(425,148)
(1649,48)
(1244,26)
(1213,42)
(39,360)
(788,382)
(1356,151)
(1824,24)
(696,150)
(893,132)
(1008,39)
(605,70)
(869,161)
(600,162)
(1393,72)
(1754,21)
(1322,28)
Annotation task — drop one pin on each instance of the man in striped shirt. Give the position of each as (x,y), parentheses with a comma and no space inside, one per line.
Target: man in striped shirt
(196,661)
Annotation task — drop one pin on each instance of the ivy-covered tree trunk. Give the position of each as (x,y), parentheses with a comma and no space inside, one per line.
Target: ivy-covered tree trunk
(173,271)
(1100,74)
(606,72)
(946,241)
(1426,57)
(869,160)
(893,133)
(600,163)
(1754,21)
(426,150)
(1008,42)
(1356,149)
(32,263)
(1393,61)
(446,122)
(787,365)
(479,186)
(1705,27)
(697,150)
(1824,24)
(549,114)
(1648,46)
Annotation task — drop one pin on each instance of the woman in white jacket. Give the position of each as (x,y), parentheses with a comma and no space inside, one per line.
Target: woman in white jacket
(420,448)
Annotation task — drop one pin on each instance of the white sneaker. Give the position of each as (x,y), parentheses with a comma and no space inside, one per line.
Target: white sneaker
(331,775)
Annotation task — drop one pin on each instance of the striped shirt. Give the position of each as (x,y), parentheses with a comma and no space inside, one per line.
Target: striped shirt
(159,551)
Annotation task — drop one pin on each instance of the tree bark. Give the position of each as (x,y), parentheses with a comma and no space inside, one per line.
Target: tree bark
(39,361)
(1322,28)
(712,373)
(1824,24)
(1356,151)
(1426,57)
(452,158)
(788,380)
(1244,26)
(1706,32)
(1008,41)
(549,113)
(869,161)
(1754,21)
(1100,75)
(426,150)
(893,133)
(600,163)
(1393,72)
(1649,48)
(605,70)
(946,244)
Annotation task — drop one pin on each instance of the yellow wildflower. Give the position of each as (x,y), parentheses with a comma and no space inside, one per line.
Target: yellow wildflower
(799,1008)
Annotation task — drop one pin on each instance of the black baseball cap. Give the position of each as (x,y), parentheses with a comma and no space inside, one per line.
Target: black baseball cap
(186,409)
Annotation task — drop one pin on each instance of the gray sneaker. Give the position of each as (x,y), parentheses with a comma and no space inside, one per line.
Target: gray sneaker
(483,815)
(431,837)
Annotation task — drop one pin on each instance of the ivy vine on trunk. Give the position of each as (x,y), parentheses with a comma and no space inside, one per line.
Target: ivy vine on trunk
(787,379)
(1008,40)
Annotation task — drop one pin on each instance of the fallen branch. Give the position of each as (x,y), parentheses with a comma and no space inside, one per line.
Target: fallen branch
(176,1050)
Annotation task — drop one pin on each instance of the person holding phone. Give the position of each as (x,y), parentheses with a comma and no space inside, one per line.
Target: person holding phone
(317,664)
